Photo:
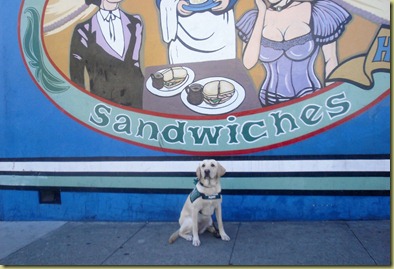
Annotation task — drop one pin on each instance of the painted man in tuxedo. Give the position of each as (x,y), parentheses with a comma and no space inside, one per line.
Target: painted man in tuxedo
(108,47)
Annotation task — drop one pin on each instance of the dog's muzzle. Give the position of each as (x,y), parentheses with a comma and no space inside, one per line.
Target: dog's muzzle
(207,174)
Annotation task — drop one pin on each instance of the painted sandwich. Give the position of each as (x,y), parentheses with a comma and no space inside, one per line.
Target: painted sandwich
(218,92)
(169,78)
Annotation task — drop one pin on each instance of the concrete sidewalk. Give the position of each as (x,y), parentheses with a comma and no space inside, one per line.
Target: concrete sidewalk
(252,243)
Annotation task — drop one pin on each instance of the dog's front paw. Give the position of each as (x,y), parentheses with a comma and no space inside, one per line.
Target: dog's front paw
(225,237)
(196,242)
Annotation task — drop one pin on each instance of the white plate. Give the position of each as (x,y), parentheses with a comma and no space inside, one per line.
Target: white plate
(164,92)
(226,107)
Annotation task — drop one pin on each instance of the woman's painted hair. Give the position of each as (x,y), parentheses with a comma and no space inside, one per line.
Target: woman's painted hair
(94,2)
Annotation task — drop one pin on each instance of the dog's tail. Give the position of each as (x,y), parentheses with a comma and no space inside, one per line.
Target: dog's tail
(173,237)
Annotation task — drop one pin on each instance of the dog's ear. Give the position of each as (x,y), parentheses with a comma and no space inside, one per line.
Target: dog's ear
(221,170)
(198,172)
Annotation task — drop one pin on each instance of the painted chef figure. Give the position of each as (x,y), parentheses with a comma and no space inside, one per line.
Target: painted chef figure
(198,30)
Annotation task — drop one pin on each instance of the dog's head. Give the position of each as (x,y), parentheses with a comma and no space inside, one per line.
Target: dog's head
(209,172)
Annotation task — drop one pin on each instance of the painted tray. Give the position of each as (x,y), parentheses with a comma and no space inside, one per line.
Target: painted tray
(201,7)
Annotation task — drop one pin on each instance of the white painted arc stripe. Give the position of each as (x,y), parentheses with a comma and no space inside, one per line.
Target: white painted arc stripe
(190,166)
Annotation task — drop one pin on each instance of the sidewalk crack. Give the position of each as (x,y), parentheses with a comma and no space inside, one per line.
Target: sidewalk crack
(124,243)
(361,243)
(235,242)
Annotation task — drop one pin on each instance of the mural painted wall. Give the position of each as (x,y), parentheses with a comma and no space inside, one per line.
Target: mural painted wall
(288,95)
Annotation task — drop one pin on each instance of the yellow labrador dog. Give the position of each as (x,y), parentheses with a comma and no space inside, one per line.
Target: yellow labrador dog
(203,201)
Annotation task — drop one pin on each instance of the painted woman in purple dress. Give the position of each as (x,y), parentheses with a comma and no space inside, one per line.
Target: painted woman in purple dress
(286,36)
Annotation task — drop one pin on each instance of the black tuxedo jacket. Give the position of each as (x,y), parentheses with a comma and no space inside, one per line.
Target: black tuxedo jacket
(111,76)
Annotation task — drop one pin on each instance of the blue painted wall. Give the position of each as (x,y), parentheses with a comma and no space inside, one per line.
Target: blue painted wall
(77,206)
(32,127)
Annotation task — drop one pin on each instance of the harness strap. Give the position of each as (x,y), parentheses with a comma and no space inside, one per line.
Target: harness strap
(195,194)
(211,197)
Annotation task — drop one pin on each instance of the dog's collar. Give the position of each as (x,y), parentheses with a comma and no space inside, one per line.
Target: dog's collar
(195,194)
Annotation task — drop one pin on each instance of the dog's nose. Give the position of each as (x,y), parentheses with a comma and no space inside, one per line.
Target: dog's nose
(207,172)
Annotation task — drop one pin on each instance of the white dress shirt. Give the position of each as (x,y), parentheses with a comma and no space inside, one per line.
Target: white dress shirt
(112,29)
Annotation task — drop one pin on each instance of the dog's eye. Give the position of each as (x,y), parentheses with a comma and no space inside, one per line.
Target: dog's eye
(203,165)
(212,165)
